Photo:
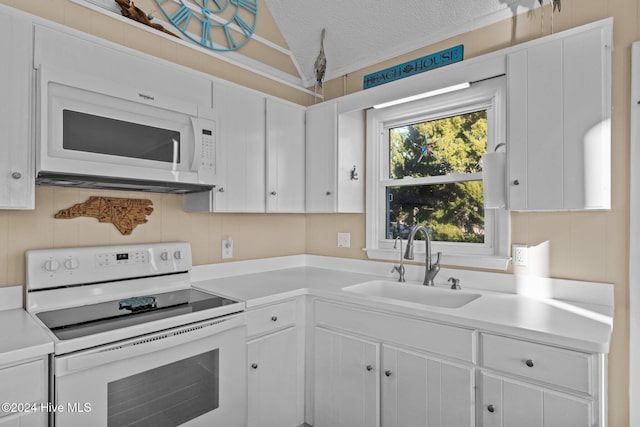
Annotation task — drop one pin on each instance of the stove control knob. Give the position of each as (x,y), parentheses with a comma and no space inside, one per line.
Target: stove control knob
(51,265)
(164,256)
(71,263)
(177,255)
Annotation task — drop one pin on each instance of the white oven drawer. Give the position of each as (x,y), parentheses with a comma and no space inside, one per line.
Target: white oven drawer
(553,365)
(271,318)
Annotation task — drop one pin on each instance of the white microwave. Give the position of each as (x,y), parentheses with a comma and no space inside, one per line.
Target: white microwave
(105,134)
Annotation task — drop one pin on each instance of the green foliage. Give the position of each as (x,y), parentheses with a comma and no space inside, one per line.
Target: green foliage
(454,211)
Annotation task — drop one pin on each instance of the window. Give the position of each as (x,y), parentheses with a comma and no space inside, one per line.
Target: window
(424,163)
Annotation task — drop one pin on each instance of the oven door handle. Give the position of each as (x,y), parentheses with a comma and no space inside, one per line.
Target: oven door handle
(147,344)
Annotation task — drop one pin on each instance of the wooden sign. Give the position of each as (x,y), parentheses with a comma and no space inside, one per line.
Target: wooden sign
(125,214)
(416,66)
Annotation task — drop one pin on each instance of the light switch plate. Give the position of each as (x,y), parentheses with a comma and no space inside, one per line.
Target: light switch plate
(344,240)
(227,248)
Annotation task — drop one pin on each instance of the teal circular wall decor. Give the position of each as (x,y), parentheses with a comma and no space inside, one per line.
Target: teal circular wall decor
(220,25)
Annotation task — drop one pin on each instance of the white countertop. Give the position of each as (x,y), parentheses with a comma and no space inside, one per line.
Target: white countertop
(579,325)
(22,337)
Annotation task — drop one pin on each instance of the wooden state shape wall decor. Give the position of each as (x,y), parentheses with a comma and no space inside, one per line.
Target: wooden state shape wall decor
(125,214)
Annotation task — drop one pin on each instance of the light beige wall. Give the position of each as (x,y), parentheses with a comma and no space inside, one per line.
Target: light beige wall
(254,235)
(123,32)
(587,246)
(590,246)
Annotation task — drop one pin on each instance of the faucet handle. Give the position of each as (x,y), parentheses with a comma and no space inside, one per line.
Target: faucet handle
(438,256)
(455,283)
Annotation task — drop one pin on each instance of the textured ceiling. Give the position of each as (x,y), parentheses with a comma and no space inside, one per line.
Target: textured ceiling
(360,33)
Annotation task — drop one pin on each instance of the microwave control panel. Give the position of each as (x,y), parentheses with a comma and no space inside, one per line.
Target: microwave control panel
(204,161)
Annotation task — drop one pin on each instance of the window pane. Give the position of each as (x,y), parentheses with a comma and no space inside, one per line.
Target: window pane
(438,147)
(452,212)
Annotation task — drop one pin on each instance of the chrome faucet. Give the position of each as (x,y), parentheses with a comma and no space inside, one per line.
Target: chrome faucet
(430,269)
(399,268)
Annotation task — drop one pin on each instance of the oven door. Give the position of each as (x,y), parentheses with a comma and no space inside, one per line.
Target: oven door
(193,376)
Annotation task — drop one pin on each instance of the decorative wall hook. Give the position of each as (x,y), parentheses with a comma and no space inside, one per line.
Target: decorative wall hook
(354,174)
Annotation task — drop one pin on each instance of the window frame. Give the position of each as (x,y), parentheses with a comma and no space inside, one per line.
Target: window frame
(489,95)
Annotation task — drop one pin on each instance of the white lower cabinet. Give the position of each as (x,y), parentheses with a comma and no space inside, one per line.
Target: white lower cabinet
(362,382)
(273,380)
(531,384)
(419,390)
(32,419)
(275,360)
(346,380)
(507,402)
(24,387)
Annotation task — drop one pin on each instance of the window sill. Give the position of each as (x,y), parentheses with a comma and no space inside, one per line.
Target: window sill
(453,260)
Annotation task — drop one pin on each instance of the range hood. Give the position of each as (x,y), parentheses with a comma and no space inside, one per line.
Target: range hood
(114,183)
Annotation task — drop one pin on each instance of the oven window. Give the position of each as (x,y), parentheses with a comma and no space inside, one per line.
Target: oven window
(166,396)
(102,135)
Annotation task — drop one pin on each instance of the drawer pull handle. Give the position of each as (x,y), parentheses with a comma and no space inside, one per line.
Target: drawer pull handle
(274,318)
(254,366)
(369,368)
(388,373)
(491,408)
(529,363)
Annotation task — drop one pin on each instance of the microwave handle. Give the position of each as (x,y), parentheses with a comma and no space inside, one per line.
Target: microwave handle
(197,146)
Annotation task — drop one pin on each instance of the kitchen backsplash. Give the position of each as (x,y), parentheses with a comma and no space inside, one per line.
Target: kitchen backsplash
(254,235)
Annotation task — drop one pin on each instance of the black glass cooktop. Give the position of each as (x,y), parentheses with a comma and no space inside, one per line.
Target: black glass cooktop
(90,319)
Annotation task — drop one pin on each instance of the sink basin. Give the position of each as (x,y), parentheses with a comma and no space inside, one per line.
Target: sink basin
(416,294)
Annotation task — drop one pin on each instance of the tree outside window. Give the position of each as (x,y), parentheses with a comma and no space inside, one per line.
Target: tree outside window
(435,178)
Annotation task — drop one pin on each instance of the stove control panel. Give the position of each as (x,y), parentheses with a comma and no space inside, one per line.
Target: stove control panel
(49,268)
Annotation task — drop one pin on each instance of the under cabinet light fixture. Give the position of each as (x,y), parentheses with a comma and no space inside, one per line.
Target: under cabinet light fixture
(435,92)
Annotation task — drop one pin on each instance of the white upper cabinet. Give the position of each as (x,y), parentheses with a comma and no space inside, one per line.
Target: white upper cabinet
(335,156)
(559,109)
(322,142)
(285,157)
(241,150)
(81,55)
(16,138)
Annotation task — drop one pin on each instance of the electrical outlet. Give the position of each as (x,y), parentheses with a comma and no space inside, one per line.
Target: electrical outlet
(227,248)
(344,240)
(519,255)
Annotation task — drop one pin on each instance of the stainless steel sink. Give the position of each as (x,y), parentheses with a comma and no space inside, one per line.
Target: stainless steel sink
(416,294)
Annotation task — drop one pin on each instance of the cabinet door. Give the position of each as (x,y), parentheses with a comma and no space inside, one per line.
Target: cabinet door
(321,158)
(16,141)
(285,157)
(559,95)
(31,419)
(241,124)
(346,381)
(273,380)
(351,161)
(506,403)
(421,391)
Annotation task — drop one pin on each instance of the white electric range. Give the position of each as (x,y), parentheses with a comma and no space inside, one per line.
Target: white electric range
(135,344)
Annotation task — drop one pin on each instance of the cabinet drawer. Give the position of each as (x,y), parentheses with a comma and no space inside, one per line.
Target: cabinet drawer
(436,338)
(23,383)
(271,317)
(565,368)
